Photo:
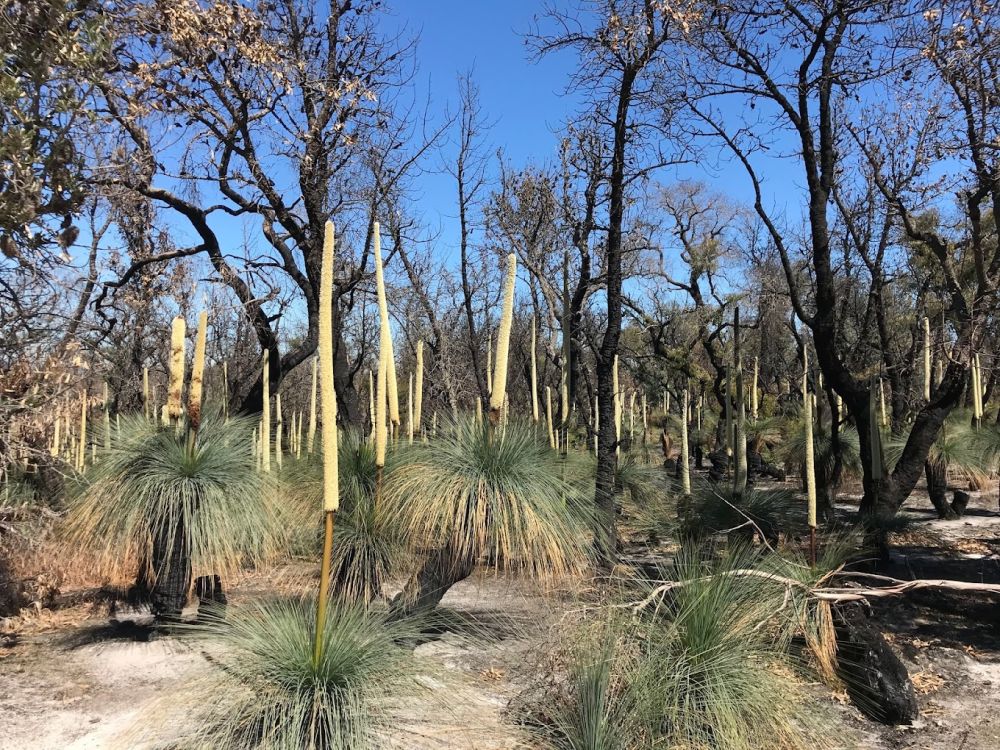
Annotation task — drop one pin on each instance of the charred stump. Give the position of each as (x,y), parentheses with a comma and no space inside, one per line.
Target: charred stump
(211,595)
(443,568)
(937,487)
(171,563)
(876,680)
(959,503)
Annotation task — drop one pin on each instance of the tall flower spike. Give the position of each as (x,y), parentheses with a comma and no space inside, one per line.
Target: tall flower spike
(177,330)
(279,428)
(383,313)
(328,397)
(534,373)
(548,417)
(927,359)
(371,400)
(265,429)
(418,389)
(381,437)
(198,373)
(409,410)
(503,341)
(107,419)
(81,456)
(311,438)
(810,450)
(685,468)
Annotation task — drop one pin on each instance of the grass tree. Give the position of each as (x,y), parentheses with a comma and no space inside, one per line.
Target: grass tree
(178,498)
(482,494)
(291,677)
(272,690)
(702,662)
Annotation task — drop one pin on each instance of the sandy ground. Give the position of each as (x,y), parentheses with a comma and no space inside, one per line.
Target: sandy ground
(65,684)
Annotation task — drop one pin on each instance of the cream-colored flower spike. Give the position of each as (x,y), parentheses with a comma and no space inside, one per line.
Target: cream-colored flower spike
(927,359)
(198,373)
(548,417)
(311,438)
(371,402)
(534,373)
(328,398)
(685,467)
(81,455)
(418,389)
(409,410)
(177,330)
(810,450)
(503,340)
(383,313)
(265,429)
(381,433)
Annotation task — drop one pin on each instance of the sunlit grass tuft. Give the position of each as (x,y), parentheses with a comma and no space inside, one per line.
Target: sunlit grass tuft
(150,482)
(268,692)
(503,497)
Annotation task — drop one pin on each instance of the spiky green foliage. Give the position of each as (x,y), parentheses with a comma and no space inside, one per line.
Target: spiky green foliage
(151,482)
(269,693)
(764,433)
(499,495)
(598,711)
(704,665)
(648,497)
(369,544)
(707,678)
(712,509)
(958,446)
(793,448)
(643,482)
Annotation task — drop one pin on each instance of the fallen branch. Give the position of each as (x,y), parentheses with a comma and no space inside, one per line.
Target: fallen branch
(829,593)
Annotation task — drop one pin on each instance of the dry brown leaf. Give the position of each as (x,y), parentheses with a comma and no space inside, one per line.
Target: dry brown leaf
(927,682)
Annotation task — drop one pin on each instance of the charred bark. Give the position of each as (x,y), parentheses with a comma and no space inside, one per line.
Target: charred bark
(937,487)
(442,569)
(876,679)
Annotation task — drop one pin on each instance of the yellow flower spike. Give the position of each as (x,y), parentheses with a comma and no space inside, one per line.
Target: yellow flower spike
(198,373)
(328,397)
(312,406)
(383,311)
(176,386)
(499,390)
(418,389)
(265,429)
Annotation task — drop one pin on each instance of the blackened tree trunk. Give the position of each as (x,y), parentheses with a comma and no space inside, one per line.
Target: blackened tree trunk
(937,487)
(876,680)
(443,568)
(606,535)
(171,561)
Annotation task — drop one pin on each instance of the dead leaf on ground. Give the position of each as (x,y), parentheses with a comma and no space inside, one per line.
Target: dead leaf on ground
(927,682)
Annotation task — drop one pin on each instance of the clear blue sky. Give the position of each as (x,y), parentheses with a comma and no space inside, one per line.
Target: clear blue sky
(525,100)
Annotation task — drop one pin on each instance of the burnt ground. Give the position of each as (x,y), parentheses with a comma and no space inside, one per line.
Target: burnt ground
(68,682)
